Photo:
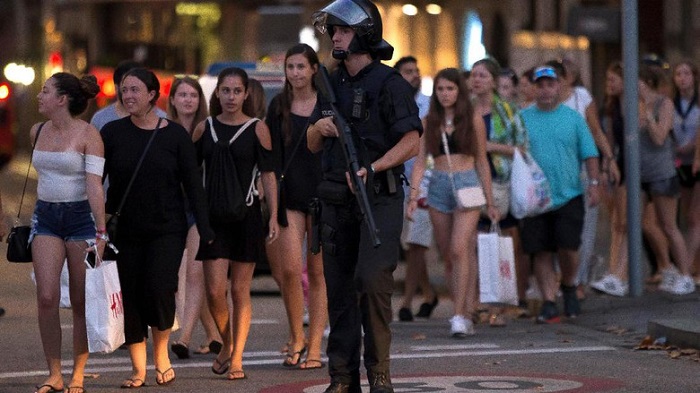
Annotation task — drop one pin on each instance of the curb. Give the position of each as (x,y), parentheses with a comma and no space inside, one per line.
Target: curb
(681,332)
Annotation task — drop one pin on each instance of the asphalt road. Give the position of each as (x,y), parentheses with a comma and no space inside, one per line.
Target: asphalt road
(590,354)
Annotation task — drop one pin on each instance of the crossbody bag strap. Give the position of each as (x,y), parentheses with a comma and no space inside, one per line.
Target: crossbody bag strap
(138,166)
(294,152)
(26,177)
(445,146)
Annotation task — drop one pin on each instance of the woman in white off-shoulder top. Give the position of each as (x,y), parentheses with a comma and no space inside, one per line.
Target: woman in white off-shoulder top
(69,215)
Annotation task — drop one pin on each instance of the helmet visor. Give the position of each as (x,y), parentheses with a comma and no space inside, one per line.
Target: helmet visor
(347,11)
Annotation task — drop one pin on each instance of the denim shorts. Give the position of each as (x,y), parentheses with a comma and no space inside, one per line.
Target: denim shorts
(69,221)
(441,196)
(670,187)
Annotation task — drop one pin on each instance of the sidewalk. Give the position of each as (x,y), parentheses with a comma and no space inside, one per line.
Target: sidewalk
(654,313)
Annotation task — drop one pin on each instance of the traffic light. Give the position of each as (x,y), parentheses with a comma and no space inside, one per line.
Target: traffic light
(6,137)
(4,92)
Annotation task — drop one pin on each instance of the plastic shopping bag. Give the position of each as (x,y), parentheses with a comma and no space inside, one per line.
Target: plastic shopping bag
(497,281)
(530,194)
(65,285)
(104,312)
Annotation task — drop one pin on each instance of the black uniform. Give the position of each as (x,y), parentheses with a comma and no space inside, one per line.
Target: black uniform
(378,103)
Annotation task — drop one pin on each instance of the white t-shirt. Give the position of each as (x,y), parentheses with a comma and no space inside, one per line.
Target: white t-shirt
(579,100)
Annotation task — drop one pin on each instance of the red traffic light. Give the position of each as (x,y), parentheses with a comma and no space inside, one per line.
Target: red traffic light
(4,91)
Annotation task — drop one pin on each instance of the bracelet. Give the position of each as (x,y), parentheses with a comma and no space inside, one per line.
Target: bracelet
(371,167)
(101,230)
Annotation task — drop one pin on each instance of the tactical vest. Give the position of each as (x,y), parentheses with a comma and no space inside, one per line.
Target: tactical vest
(359,103)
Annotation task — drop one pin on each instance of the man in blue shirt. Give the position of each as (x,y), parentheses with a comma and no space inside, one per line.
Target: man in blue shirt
(559,141)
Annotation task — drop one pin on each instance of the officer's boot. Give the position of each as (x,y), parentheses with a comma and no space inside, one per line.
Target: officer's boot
(379,382)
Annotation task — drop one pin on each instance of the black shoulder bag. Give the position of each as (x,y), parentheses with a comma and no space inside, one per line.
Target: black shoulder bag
(18,247)
(113,221)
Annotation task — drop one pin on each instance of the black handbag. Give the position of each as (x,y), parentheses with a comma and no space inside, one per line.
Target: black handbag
(18,248)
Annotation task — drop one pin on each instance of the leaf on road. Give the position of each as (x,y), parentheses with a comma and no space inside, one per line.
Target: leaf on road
(418,336)
(675,354)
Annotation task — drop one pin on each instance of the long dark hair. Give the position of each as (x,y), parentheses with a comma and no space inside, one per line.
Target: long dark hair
(612,103)
(286,97)
(79,91)
(677,93)
(463,118)
(201,112)
(215,108)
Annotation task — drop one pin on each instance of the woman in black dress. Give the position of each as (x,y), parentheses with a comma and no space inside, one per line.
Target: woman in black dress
(152,222)
(238,244)
(288,118)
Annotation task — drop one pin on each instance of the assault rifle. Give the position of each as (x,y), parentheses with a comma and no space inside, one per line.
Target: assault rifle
(350,152)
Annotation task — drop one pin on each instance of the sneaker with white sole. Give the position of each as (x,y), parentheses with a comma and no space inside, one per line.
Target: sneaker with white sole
(461,327)
(668,277)
(611,285)
(682,285)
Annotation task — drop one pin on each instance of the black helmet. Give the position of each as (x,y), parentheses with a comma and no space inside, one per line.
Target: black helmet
(363,16)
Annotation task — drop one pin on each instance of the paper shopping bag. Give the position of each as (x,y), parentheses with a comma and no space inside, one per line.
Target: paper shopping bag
(104,312)
(497,281)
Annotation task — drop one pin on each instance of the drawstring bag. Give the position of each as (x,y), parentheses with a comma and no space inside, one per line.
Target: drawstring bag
(227,201)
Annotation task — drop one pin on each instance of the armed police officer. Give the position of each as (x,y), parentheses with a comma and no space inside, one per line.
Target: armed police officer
(378,105)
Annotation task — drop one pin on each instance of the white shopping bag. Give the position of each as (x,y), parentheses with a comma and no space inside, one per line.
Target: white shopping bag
(497,282)
(530,194)
(104,312)
(65,285)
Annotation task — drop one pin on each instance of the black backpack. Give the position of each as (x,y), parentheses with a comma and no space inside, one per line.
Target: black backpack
(227,201)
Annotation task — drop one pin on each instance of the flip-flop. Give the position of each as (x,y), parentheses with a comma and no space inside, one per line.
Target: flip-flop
(316,362)
(220,368)
(231,376)
(75,389)
(163,380)
(289,361)
(51,388)
(131,383)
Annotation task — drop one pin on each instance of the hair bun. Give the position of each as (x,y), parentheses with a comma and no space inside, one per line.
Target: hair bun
(88,84)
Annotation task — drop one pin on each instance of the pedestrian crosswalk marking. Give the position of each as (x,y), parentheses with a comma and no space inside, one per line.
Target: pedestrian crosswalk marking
(259,358)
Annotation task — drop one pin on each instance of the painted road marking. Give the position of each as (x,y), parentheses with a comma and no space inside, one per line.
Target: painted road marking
(473,384)
(261,358)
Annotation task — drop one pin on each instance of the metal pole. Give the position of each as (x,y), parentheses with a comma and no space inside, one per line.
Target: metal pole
(630,59)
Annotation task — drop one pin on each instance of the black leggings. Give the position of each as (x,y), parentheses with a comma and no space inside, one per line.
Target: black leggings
(148,273)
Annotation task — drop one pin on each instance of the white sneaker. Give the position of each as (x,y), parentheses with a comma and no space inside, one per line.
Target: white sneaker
(611,285)
(461,326)
(668,277)
(682,285)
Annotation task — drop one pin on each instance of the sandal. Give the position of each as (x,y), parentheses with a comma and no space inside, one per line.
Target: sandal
(216,346)
(220,368)
(294,358)
(181,350)
(133,383)
(237,374)
(161,379)
(315,363)
(52,389)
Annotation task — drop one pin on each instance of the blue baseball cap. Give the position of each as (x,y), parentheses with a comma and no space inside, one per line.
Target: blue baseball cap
(544,72)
